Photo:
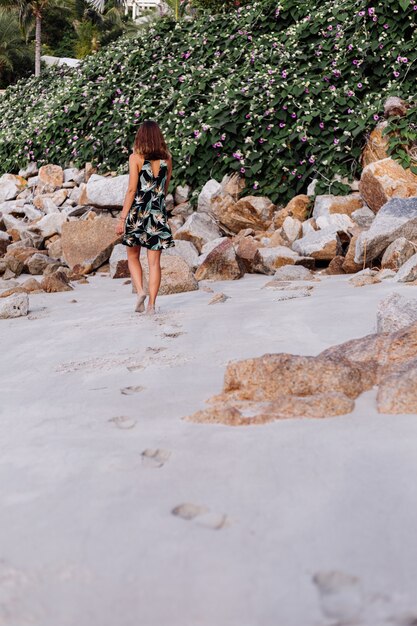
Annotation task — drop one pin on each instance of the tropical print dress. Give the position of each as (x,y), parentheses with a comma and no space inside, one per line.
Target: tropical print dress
(146,223)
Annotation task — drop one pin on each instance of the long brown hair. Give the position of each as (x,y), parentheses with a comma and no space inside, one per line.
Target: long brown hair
(149,141)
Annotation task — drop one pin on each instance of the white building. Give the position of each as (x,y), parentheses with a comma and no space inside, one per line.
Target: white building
(136,7)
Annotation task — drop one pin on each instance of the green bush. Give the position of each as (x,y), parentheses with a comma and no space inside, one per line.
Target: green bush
(280,92)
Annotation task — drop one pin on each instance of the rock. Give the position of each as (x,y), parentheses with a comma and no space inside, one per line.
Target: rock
(327,205)
(349,266)
(211,188)
(55,248)
(376,147)
(277,239)
(395,312)
(365,277)
(7,284)
(221,264)
(51,175)
(118,262)
(31,285)
(291,229)
(4,242)
(386,179)
(71,174)
(15,305)
(397,393)
(233,184)
(183,210)
(321,245)
(106,191)
(208,247)
(199,228)
(293,272)
(397,253)
(182,194)
(397,218)
(386,273)
(297,207)
(37,263)
(186,250)
(363,217)
(11,186)
(395,106)
(58,281)
(87,244)
(31,169)
(336,266)
(249,212)
(219,297)
(50,224)
(408,272)
(309,226)
(339,222)
(176,275)
(276,386)
(268,260)
(246,249)
(175,223)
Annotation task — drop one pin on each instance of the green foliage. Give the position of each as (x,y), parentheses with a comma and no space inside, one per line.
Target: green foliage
(15,57)
(279,92)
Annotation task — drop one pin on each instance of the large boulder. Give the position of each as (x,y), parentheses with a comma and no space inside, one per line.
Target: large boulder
(106,191)
(327,204)
(408,272)
(176,275)
(50,224)
(376,147)
(87,244)
(322,244)
(221,263)
(51,176)
(186,250)
(397,218)
(279,386)
(15,305)
(291,229)
(297,207)
(397,253)
(249,212)
(363,217)
(268,260)
(210,189)
(386,179)
(246,249)
(10,186)
(199,228)
(395,312)
(38,262)
(349,266)
(397,393)
(118,262)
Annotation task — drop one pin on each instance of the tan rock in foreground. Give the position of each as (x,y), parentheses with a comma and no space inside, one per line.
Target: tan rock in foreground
(376,146)
(52,175)
(87,244)
(297,207)
(177,275)
(386,179)
(221,264)
(249,212)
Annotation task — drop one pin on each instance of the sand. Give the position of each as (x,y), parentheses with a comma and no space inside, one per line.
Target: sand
(117,512)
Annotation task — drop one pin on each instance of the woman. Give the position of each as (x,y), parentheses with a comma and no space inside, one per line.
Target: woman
(143,220)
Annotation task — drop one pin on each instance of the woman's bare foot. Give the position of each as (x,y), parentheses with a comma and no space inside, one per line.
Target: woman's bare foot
(140,305)
(150,310)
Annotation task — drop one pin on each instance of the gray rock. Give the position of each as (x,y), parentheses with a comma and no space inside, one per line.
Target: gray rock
(338,221)
(106,191)
(291,229)
(71,174)
(395,312)
(182,194)
(8,284)
(33,181)
(386,273)
(397,253)
(322,244)
(15,305)
(326,205)
(311,189)
(31,169)
(186,250)
(50,224)
(268,260)
(208,247)
(363,217)
(397,218)
(408,272)
(199,228)
(208,191)
(10,187)
(37,263)
(293,272)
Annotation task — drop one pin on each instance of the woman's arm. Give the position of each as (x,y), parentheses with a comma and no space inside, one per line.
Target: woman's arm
(169,162)
(132,185)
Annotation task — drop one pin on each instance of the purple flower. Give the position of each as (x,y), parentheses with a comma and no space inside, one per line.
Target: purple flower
(242,169)
(282,125)
(311,160)
(396,74)
(284,74)
(321,125)
(385,26)
(304,139)
(294,115)
(335,141)
(360,85)
(376,117)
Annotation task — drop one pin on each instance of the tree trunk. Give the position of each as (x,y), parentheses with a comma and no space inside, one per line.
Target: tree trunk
(38,44)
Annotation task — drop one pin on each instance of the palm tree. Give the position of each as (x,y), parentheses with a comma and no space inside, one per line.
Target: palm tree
(12,45)
(29,10)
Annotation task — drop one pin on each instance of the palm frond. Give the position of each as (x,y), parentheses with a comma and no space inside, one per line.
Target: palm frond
(100,5)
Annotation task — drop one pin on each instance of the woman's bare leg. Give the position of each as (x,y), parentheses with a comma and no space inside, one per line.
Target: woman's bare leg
(154,263)
(135,268)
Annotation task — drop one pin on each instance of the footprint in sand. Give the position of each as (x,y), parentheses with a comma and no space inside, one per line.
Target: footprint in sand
(123,422)
(172,335)
(127,391)
(155,458)
(201,515)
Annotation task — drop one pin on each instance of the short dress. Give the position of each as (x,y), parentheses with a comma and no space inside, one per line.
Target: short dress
(146,223)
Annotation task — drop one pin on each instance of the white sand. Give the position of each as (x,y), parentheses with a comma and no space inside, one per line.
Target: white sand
(87,534)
